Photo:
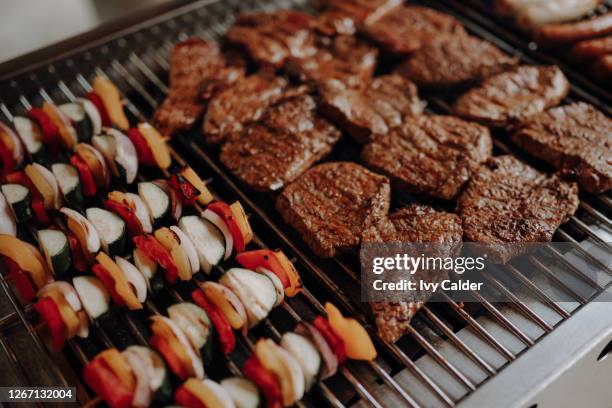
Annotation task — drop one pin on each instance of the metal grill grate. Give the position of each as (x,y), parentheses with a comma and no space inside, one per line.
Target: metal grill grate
(449,351)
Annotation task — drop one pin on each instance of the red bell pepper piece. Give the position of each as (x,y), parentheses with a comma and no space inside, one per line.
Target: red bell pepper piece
(107,385)
(156,251)
(174,362)
(145,155)
(50,131)
(225,212)
(88,183)
(7,161)
(186,399)
(127,214)
(99,104)
(38,203)
(48,310)
(21,280)
(266,259)
(76,252)
(265,380)
(109,282)
(184,189)
(335,342)
(218,319)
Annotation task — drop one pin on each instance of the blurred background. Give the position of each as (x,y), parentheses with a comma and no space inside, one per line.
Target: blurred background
(28,25)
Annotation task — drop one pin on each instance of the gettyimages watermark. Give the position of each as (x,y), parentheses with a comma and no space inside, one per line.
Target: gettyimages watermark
(402,271)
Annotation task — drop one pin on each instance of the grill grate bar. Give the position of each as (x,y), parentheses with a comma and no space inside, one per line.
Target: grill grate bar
(550,275)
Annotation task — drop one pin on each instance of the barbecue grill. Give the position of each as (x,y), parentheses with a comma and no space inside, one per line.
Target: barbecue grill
(528,351)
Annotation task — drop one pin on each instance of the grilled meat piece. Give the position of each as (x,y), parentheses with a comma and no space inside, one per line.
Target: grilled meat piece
(288,139)
(197,70)
(242,102)
(576,138)
(344,16)
(533,14)
(331,204)
(408,28)
(413,224)
(345,58)
(455,60)
(383,104)
(431,155)
(593,48)
(272,38)
(564,33)
(507,201)
(514,96)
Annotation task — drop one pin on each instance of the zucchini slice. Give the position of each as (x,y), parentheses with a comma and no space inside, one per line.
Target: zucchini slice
(94,295)
(69,183)
(206,238)
(18,197)
(8,224)
(148,268)
(156,200)
(54,244)
(30,134)
(256,292)
(111,230)
(94,116)
(243,392)
(81,121)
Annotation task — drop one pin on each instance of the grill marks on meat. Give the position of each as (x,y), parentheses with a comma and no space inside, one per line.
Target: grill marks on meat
(408,28)
(288,139)
(455,60)
(197,70)
(431,155)
(576,138)
(365,113)
(272,38)
(345,16)
(331,204)
(507,201)
(345,58)
(244,101)
(511,97)
(413,224)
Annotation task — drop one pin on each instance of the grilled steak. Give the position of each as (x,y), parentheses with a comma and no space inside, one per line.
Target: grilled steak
(413,224)
(197,70)
(575,138)
(345,58)
(288,139)
(507,201)
(431,155)
(408,28)
(514,96)
(383,104)
(272,38)
(245,101)
(331,204)
(344,16)
(455,60)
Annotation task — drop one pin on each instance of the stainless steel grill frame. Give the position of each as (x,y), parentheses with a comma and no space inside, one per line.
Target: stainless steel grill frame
(452,356)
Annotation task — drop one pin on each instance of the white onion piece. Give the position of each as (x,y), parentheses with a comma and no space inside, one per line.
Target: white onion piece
(92,113)
(278,285)
(125,153)
(220,393)
(193,320)
(142,368)
(18,151)
(141,211)
(220,224)
(196,362)
(134,277)
(52,181)
(67,290)
(329,359)
(93,239)
(232,298)
(192,254)
(8,224)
